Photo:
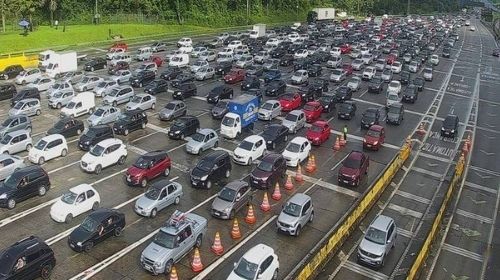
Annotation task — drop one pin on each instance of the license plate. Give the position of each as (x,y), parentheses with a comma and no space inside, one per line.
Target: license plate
(148,267)
(345,181)
(216,214)
(368,145)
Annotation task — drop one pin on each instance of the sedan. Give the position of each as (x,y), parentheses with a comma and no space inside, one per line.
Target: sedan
(159,196)
(313,111)
(141,101)
(220,92)
(275,135)
(346,110)
(269,110)
(8,164)
(156,86)
(202,140)
(67,127)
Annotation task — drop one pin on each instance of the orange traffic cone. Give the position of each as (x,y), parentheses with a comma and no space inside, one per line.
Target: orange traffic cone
(469,141)
(196,265)
(277,193)
(336,146)
(235,232)
(250,218)
(308,165)
(465,148)
(265,206)
(298,175)
(217,246)
(342,141)
(421,129)
(289,183)
(173,274)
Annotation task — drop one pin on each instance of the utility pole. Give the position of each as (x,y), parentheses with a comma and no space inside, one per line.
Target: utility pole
(248,11)
(408,8)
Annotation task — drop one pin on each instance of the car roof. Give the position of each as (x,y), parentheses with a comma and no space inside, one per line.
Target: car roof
(6,156)
(109,141)
(23,245)
(313,103)
(236,185)
(142,94)
(205,131)
(320,123)
(299,140)
(29,99)
(176,102)
(299,198)
(29,169)
(381,222)
(296,112)
(154,153)
(215,154)
(81,188)
(102,213)
(271,157)
(253,138)
(376,127)
(355,155)
(18,132)
(53,137)
(257,253)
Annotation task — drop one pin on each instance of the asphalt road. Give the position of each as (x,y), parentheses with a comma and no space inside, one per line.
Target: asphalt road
(118,258)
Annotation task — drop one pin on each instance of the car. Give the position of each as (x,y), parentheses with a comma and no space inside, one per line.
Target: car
(47,148)
(230,199)
(275,88)
(95,228)
(294,121)
(369,73)
(104,114)
(446,52)
(67,127)
(8,164)
(184,126)
(28,75)
(234,76)
(157,197)
(346,110)
(472,28)
(204,73)
(286,60)
(394,87)
(290,101)
(13,123)
(380,64)
(413,66)
(142,78)
(250,82)
(60,99)
(122,76)
(269,110)
(207,56)
(156,86)
(449,127)
(23,184)
(274,135)
(386,75)
(94,135)
(159,47)
(260,262)
(300,77)
(338,75)
(312,110)
(223,67)
(410,94)
(16,261)
(376,85)
(295,214)
(327,102)
(395,114)
(404,77)
(427,73)
(42,83)
(11,71)
(354,83)
(374,137)
(297,151)
(204,139)
(170,73)
(314,70)
(254,70)
(334,62)
(198,65)
(251,148)
(211,169)
(7,91)
(357,64)
(419,82)
(354,168)
(343,93)
(72,77)
(147,167)
(370,117)
(378,240)
(76,201)
(496,52)
(184,42)
(319,132)
(272,75)
(88,83)
(347,68)
(95,64)
(129,121)
(434,60)
(244,61)
(27,107)
(142,101)
(271,170)
(16,141)
(220,109)
(345,49)
(105,153)
(172,110)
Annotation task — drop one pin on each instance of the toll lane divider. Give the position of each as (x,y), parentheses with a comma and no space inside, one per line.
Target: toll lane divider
(329,245)
(416,268)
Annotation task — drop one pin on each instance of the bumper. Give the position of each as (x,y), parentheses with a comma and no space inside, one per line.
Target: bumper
(87,168)
(220,214)
(349,182)
(174,136)
(142,212)
(292,162)
(370,146)
(198,183)
(372,262)
(83,147)
(75,247)
(286,229)
(3,203)
(241,161)
(132,181)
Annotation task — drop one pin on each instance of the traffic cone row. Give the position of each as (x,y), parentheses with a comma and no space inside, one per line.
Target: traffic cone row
(311,164)
(250,218)
(217,246)
(343,141)
(235,231)
(289,183)
(196,265)
(299,178)
(336,146)
(421,129)
(265,206)
(276,193)
(465,148)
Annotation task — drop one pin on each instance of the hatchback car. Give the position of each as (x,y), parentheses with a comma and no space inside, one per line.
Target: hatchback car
(147,167)
(294,121)
(156,86)
(74,202)
(395,114)
(130,121)
(8,164)
(105,153)
(67,127)
(275,88)
(297,151)
(319,132)
(260,262)
(25,93)
(374,137)
(157,197)
(450,126)
(251,148)
(15,142)
(23,184)
(118,95)
(13,123)
(313,111)
(231,198)
(104,115)
(142,102)
(27,107)
(354,168)
(379,239)
(220,109)
(220,92)
(202,140)
(172,110)
(370,117)
(184,126)
(296,213)
(269,110)
(185,90)
(290,101)
(47,148)
(211,169)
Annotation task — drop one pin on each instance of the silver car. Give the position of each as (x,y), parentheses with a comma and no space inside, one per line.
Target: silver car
(294,120)
(88,83)
(104,87)
(233,196)
(244,61)
(207,56)
(386,75)
(122,76)
(159,195)
(204,73)
(428,74)
(62,86)
(13,123)
(28,107)
(337,75)
(8,164)
(61,99)
(354,83)
(104,115)
(142,101)
(197,65)
(379,239)
(15,142)
(413,67)
(296,213)
(299,77)
(202,140)
(357,64)
(269,110)
(172,110)
(119,95)
(73,77)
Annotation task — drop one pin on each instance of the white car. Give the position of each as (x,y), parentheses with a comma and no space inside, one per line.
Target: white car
(184,42)
(197,51)
(273,42)
(367,59)
(428,74)
(303,53)
(186,49)
(234,44)
(142,101)
(335,51)
(47,148)
(297,151)
(261,57)
(104,87)
(334,62)
(8,164)
(369,72)
(105,153)
(434,59)
(60,87)
(386,75)
(115,52)
(396,67)
(338,75)
(147,66)
(269,110)
(260,262)
(251,148)
(42,83)
(394,86)
(28,76)
(357,64)
(300,77)
(413,67)
(226,51)
(16,141)
(472,28)
(76,201)
(354,83)
(207,56)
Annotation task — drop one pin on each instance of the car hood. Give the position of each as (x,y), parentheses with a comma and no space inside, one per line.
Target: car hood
(218,110)
(194,144)
(87,157)
(221,205)
(371,247)
(156,252)
(166,112)
(93,118)
(392,116)
(288,123)
(348,171)
(367,120)
(371,139)
(196,172)
(80,235)
(60,207)
(287,219)
(289,154)
(134,171)
(259,173)
(145,202)
(241,152)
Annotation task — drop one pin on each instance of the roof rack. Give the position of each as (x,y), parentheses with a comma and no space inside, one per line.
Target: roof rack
(177,219)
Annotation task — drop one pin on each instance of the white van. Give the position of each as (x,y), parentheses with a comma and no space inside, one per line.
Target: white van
(144,54)
(83,103)
(47,148)
(179,60)
(121,57)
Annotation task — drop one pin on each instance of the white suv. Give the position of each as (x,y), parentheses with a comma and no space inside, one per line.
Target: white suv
(104,154)
(252,147)
(260,262)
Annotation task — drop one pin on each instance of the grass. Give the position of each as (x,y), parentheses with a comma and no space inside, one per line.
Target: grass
(46,37)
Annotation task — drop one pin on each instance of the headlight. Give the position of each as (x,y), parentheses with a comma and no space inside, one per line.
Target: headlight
(375,143)
(317,138)
(269,142)
(442,128)
(204,178)
(452,131)
(87,142)
(3,196)
(157,264)
(177,132)
(227,210)
(79,243)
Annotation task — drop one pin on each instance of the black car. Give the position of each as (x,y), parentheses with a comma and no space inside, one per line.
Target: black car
(22,184)
(327,102)
(94,135)
(67,127)
(395,113)
(405,77)
(97,226)
(95,64)
(220,92)
(275,88)
(222,68)
(11,71)
(376,85)
(7,91)
(343,93)
(142,78)
(277,53)
(130,121)
(346,110)
(156,86)
(254,70)
(25,93)
(271,170)
(314,70)
(410,94)
(220,109)
(182,79)
(250,82)
(302,64)
(446,53)
(170,73)
(211,169)
(419,82)
(450,126)
(319,86)
(287,60)
(275,135)
(370,117)
(308,93)
(185,90)
(184,126)
(29,258)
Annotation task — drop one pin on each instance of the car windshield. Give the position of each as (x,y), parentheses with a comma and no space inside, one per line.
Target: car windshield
(170,106)
(351,163)
(316,128)
(291,117)
(375,235)
(336,72)
(179,124)
(152,193)
(136,99)
(205,165)
(19,105)
(370,114)
(288,97)
(58,95)
(245,145)
(394,85)
(60,124)
(267,106)
(6,122)
(69,198)
(99,112)
(13,180)
(40,145)
(102,84)
(228,121)
(6,139)
(71,105)
(373,133)
(165,240)
(428,71)
(227,194)
(292,209)
(143,162)
(198,137)
(393,110)
(293,147)
(246,269)
(221,104)
(392,97)
(97,150)
(89,224)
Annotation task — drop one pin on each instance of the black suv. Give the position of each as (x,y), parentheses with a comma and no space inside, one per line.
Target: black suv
(170,73)
(142,78)
(346,110)
(156,86)
(376,85)
(250,82)
(211,169)
(275,134)
(11,71)
(7,91)
(220,92)
(95,64)
(130,121)
(450,126)
(29,92)
(185,90)
(29,258)
(94,135)
(96,227)
(223,68)
(184,126)
(271,170)
(22,184)
(410,94)
(67,127)
(405,77)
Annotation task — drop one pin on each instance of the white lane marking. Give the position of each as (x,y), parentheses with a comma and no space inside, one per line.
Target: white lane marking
(340,162)
(158,128)
(18,216)
(484,170)
(462,252)
(327,185)
(173,179)
(137,150)
(413,197)
(405,233)
(63,167)
(369,273)
(405,211)
(473,216)
(426,172)
(442,159)
(479,187)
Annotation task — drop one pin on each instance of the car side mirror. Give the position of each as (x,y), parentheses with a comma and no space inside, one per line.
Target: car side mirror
(389,241)
(235,125)
(235,264)
(259,276)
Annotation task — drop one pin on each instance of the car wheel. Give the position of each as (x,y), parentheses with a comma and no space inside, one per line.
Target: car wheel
(95,206)
(177,200)
(58,106)
(228,173)
(168,267)
(88,247)
(28,147)
(41,160)
(64,152)
(118,231)
(199,240)
(153,106)
(153,213)
(28,129)
(144,182)
(275,274)
(121,161)
(166,172)
(125,132)
(312,217)
(68,219)
(46,271)
(297,232)
(209,184)
(11,203)
(38,112)
(98,169)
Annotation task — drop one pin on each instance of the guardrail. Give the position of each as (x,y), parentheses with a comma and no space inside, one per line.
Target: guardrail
(424,252)
(329,245)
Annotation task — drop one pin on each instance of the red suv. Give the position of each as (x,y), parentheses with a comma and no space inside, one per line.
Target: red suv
(374,137)
(312,110)
(319,132)
(148,167)
(354,168)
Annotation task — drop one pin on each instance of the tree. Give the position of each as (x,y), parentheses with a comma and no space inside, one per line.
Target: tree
(52,5)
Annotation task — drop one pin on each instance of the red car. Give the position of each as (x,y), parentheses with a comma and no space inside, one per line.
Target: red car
(290,101)
(148,167)
(157,60)
(312,110)
(374,137)
(347,67)
(390,59)
(234,76)
(319,132)
(354,168)
(119,46)
(345,49)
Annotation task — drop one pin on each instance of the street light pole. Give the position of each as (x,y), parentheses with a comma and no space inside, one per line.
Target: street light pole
(408,8)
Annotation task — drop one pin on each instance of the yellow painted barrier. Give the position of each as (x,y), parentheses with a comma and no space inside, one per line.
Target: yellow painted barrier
(358,211)
(25,61)
(424,252)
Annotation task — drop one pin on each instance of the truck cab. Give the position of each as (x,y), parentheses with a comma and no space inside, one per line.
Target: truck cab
(242,113)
